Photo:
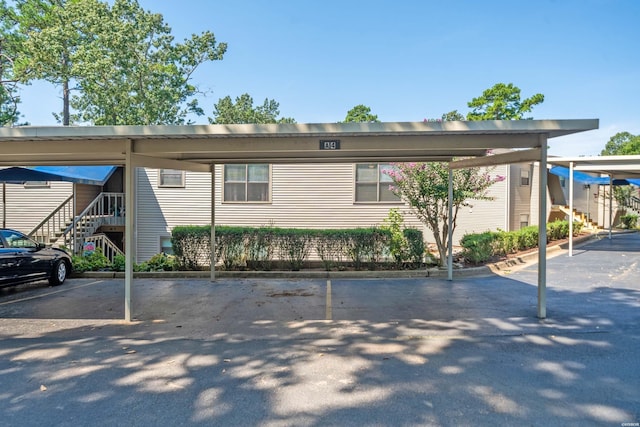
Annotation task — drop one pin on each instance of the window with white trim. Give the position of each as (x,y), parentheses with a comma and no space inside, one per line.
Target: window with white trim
(524,177)
(165,245)
(36,184)
(171,178)
(372,184)
(247,182)
(524,220)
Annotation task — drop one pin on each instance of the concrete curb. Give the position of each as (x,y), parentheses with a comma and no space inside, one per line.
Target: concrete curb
(494,268)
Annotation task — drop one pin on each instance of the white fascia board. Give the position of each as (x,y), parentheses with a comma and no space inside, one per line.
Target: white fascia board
(498,159)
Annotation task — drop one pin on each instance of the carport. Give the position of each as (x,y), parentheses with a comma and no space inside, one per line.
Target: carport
(621,170)
(199,147)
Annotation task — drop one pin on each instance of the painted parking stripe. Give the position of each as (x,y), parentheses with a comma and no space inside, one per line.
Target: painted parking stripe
(328,311)
(66,288)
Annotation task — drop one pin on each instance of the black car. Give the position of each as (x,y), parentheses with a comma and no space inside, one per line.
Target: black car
(25,260)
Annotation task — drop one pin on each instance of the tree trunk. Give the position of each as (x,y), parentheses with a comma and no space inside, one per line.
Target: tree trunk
(65,103)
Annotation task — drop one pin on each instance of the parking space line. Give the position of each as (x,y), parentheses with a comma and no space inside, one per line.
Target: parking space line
(66,288)
(328,313)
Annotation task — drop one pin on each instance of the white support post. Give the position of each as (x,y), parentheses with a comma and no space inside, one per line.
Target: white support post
(213,223)
(542,231)
(450,229)
(4,205)
(129,223)
(610,205)
(74,231)
(570,209)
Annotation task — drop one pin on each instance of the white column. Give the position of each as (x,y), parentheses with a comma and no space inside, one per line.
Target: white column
(610,205)
(213,223)
(74,231)
(542,230)
(450,229)
(4,205)
(129,223)
(570,209)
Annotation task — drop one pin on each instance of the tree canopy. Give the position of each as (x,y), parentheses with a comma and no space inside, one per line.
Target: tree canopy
(425,188)
(502,102)
(9,42)
(361,114)
(121,60)
(622,143)
(225,111)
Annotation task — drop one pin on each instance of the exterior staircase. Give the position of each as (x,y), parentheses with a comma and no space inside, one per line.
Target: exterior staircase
(561,212)
(62,229)
(632,203)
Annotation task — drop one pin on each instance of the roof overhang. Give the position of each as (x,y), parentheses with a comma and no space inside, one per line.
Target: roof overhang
(618,167)
(197,147)
(91,175)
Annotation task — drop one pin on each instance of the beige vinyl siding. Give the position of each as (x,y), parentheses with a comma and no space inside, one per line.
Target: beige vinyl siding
(485,215)
(27,207)
(302,196)
(520,195)
(535,193)
(159,209)
(85,194)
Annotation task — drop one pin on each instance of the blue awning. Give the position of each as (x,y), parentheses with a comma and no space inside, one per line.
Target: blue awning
(585,178)
(93,175)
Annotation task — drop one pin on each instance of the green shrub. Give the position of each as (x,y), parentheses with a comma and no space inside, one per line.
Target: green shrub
(506,243)
(260,248)
(93,262)
(366,245)
(230,246)
(191,246)
(118,263)
(478,248)
(330,246)
(557,230)
(629,221)
(161,262)
(527,237)
(398,244)
(415,246)
(294,246)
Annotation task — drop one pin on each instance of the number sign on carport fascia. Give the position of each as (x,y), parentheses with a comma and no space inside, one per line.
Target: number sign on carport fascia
(200,147)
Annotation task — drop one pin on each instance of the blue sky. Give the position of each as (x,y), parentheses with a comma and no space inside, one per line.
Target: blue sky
(411,60)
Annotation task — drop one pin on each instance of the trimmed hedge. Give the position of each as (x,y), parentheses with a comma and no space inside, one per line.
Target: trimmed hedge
(264,248)
(481,247)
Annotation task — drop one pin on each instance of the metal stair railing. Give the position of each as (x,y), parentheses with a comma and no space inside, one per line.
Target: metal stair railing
(105,209)
(578,216)
(102,242)
(49,229)
(633,202)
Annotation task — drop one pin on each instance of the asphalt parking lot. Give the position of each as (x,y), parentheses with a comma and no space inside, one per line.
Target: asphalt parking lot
(276,352)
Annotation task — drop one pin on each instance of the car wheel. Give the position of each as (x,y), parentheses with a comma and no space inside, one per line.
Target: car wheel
(59,273)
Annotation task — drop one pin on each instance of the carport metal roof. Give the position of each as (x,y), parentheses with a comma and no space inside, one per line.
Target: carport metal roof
(617,167)
(275,143)
(199,147)
(92,175)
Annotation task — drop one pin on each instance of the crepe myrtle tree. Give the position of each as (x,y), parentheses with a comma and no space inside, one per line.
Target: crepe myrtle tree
(425,188)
